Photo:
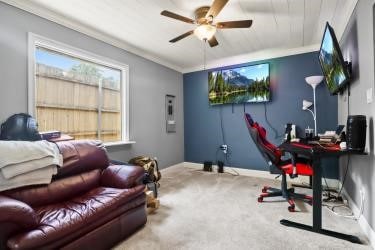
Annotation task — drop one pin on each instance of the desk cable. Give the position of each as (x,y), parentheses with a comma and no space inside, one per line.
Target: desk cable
(339,198)
(345,205)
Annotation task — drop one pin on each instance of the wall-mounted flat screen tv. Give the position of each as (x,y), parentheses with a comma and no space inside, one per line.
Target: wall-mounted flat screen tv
(240,85)
(332,63)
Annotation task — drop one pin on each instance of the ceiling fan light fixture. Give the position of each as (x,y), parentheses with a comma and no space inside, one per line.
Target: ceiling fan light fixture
(205,31)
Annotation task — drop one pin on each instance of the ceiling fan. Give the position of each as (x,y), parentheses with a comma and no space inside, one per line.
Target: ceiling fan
(206,28)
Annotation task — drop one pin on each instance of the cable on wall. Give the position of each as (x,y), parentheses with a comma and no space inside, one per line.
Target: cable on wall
(222,125)
(346,173)
(226,159)
(204,54)
(338,198)
(348,161)
(277,136)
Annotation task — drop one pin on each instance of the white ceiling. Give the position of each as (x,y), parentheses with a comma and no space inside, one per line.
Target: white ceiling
(280,27)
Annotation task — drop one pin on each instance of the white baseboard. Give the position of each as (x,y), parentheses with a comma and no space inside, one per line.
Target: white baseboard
(332,183)
(365,226)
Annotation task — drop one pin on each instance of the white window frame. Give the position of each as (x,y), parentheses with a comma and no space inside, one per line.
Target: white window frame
(35,41)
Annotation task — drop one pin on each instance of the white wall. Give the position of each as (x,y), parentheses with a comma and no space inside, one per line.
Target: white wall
(149,83)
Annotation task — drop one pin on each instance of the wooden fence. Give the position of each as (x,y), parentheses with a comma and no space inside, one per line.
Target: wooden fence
(69,102)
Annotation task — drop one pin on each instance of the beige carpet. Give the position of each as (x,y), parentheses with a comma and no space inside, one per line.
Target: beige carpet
(202,210)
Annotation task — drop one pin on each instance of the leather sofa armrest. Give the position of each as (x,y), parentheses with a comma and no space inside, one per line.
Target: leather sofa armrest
(122,176)
(17,212)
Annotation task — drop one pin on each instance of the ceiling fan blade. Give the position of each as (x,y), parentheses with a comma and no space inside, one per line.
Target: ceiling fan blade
(216,7)
(213,42)
(234,24)
(181,36)
(176,16)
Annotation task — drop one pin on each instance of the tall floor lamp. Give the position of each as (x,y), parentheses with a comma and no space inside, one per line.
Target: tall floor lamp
(313,81)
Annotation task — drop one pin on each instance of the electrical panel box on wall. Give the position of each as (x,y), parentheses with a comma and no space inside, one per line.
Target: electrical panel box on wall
(170,113)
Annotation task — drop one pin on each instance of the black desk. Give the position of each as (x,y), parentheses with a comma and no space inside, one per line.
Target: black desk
(315,153)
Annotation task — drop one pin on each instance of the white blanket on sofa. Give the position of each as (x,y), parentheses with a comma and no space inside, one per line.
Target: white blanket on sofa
(39,176)
(22,157)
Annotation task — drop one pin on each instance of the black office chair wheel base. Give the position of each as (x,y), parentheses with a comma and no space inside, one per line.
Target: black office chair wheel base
(291,209)
(260,199)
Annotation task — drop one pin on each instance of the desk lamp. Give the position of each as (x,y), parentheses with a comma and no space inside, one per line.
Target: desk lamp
(313,81)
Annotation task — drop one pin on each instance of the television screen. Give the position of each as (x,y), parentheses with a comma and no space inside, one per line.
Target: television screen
(240,85)
(332,62)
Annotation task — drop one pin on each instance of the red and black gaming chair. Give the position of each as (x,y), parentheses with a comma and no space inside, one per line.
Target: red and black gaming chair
(272,154)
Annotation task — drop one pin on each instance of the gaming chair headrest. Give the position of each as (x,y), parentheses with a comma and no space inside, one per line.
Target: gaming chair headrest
(249,119)
(269,151)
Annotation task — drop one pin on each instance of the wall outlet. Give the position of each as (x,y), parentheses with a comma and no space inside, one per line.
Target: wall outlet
(224,148)
(369,95)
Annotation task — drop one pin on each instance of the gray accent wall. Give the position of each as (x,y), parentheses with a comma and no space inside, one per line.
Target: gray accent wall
(358,42)
(203,133)
(149,83)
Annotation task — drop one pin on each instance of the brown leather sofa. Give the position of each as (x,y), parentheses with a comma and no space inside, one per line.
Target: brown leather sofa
(89,205)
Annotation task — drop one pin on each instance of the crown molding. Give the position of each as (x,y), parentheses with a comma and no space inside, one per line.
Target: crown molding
(40,11)
(252,57)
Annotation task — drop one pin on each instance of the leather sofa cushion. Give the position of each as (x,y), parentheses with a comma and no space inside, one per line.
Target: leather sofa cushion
(57,191)
(63,219)
(81,156)
(122,176)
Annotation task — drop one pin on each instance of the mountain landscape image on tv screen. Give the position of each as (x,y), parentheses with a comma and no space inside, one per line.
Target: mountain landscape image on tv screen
(330,60)
(239,85)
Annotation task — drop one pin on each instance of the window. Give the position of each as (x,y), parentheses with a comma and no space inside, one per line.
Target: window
(77,93)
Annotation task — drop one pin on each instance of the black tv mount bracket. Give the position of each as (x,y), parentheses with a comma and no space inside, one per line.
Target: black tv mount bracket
(349,68)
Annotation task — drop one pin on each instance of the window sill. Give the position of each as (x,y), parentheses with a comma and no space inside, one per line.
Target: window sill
(118,143)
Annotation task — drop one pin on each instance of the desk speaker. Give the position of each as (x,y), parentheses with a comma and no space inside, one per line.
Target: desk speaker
(356,132)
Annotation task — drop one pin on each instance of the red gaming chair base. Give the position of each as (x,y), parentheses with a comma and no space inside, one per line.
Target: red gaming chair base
(288,194)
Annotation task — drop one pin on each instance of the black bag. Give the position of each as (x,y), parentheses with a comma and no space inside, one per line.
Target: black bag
(20,127)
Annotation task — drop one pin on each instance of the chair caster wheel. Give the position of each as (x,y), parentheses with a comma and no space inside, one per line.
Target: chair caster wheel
(264,190)
(260,199)
(291,209)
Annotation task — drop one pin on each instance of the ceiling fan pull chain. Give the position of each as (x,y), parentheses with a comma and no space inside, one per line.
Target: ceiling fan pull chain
(204,54)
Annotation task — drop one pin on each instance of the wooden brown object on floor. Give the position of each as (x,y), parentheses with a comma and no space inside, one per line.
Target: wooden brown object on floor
(152,202)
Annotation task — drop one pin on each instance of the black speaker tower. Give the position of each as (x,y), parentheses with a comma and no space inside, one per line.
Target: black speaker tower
(356,133)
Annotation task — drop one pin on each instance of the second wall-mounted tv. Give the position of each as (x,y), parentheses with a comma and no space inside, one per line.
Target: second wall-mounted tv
(334,68)
(240,85)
